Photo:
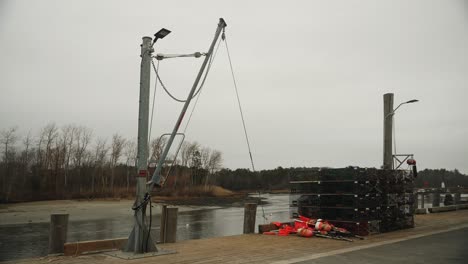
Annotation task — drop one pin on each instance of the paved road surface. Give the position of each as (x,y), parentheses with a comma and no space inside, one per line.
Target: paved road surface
(449,247)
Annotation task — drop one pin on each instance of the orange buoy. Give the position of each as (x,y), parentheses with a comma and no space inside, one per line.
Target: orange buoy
(305,232)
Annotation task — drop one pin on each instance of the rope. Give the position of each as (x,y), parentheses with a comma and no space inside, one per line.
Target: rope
(242,117)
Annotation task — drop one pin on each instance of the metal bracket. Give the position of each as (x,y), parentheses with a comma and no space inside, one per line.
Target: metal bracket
(397,157)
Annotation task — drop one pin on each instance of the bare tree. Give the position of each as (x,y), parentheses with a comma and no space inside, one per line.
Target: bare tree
(100,154)
(215,162)
(184,153)
(188,150)
(26,156)
(116,151)
(157,146)
(68,133)
(50,133)
(7,139)
(205,153)
(82,139)
(130,152)
(194,155)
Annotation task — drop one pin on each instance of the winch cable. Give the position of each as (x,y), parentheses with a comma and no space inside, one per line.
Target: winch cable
(152,108)
(223,37)
(196,100)
(169,93)
(156,70)
(149,139)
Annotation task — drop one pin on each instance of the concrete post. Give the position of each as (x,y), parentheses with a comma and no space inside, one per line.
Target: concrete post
(250,212)
(57,233)
(387,135)
(422,200)
(139,240)
(436,199)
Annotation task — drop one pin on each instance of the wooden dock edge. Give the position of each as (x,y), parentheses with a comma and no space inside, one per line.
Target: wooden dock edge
(78,248)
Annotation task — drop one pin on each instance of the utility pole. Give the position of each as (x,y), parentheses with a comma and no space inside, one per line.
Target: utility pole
(137,241)
(140,240)
(387,133)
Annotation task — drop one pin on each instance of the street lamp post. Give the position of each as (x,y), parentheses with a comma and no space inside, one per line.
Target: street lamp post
(388,128)
(140,240)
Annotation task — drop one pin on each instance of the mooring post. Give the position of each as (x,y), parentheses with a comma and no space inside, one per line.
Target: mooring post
(422,200)
(456,198)
(170,225)
(436,199)
(415,201)
(388,123)
(162,232)
(57,233)
(250,212)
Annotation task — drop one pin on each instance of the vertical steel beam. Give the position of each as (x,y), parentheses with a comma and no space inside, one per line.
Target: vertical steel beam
(139,235)
(387,131)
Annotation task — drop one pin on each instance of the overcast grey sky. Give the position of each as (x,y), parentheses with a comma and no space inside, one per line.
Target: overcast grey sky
(311,75)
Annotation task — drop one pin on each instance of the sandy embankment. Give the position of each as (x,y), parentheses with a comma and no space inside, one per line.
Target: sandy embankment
(39,212)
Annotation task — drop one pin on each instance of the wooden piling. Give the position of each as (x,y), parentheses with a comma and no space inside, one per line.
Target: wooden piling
(162,233)
(250,212)
(415,201)
(57,233)
(435,199)
(457,198)
(170,225)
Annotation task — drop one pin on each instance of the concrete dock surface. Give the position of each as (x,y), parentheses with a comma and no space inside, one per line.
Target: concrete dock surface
(440,237)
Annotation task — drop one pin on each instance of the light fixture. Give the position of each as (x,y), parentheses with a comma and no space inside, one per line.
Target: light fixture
(161,34)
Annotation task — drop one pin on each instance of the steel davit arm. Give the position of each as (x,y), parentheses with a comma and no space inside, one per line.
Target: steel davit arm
(156,178)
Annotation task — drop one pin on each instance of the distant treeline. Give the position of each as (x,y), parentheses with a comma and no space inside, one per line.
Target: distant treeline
(433,178)
(68,162)
(242,179)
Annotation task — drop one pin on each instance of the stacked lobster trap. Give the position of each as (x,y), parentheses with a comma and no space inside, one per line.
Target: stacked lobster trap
(362,200)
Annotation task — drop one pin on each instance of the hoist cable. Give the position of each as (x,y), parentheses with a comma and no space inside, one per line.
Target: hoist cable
(167,91)
(239,103)
(196,101)
(242,117)
(152,109)
(164,86)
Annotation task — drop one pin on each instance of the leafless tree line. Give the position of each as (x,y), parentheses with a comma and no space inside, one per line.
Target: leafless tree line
(68,162)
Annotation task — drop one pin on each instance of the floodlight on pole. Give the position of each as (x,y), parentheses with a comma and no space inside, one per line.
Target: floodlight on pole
(161,34)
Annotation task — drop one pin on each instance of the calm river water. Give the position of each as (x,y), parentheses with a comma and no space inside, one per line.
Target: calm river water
(30,240)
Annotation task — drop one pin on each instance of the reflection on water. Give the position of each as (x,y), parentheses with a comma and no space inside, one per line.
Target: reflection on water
(29,240)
